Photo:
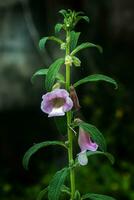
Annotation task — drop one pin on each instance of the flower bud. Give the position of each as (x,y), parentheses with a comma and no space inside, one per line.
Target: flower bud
(68,60)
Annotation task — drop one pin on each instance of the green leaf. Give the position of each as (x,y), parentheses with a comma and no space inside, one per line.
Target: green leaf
(85,45)
(92,196)
(108,155)
(37,147)
(58,27)
(43,41)
(61,124)
(57,183)
(96,77)
(74,37)
(52,73)
(77,195)
(43,72)
(42,193)
(95,134)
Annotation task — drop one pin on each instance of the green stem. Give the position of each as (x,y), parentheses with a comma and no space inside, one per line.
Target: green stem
(69,131)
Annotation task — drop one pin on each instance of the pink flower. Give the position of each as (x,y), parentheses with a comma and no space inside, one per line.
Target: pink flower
(56,103)
(85,144)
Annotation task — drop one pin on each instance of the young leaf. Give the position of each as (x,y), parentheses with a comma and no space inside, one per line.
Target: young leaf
(56,184)
(37,147)
(58,27)
(85,45)
(92,196)
(43,41)
(43,72)
(74,37)
(95,134)
(63,12)
(52,73)
(86,18)
(96,77)
(42,193)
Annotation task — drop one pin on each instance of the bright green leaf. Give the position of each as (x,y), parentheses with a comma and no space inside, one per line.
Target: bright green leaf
(43,41)
(92,196)
(58,27)
(42,194)
(37,147)
(52,73)
(85,45)
(74,37)
(43,72)
(95,134)
(56,184)
(96,77)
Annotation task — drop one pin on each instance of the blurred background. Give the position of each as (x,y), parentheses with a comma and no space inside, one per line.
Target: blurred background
(22,24)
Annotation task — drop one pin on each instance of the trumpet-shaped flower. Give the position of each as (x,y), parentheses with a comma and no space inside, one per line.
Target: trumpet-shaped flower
(85,144)
(56,103)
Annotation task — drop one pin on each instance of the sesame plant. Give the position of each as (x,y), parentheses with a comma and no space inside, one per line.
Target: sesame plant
(61,101)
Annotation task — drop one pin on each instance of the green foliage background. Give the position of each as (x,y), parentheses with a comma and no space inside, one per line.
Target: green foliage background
(22,122)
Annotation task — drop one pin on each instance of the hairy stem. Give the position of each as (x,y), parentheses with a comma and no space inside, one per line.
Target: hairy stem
(69,131)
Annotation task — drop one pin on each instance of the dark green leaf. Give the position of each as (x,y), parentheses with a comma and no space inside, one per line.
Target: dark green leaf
(85,45)
(92,196)
(42,194)
(58,27)
(65,189)
(74,37)
(43,41)
(61,124)
(108,155)
(95,134)
(43,72)
(57,183)
(37,147)
(52,73)
(96,77)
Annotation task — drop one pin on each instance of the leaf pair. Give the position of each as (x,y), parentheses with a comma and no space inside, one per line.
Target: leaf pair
(51,74)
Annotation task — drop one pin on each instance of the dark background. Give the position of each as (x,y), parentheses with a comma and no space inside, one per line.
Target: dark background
(22,24)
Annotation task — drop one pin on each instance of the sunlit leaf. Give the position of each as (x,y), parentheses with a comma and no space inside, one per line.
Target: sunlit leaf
(56,184)
(37,147)
(52,73)
(92,196)
(85,45)
(96,77)
(95,134)
(43,72)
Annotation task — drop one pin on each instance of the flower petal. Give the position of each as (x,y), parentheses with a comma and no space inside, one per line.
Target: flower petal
(56,112)
(82,158)
(85,142)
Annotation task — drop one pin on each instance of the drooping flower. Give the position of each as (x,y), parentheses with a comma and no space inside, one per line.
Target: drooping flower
(56,103)
(85,144)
